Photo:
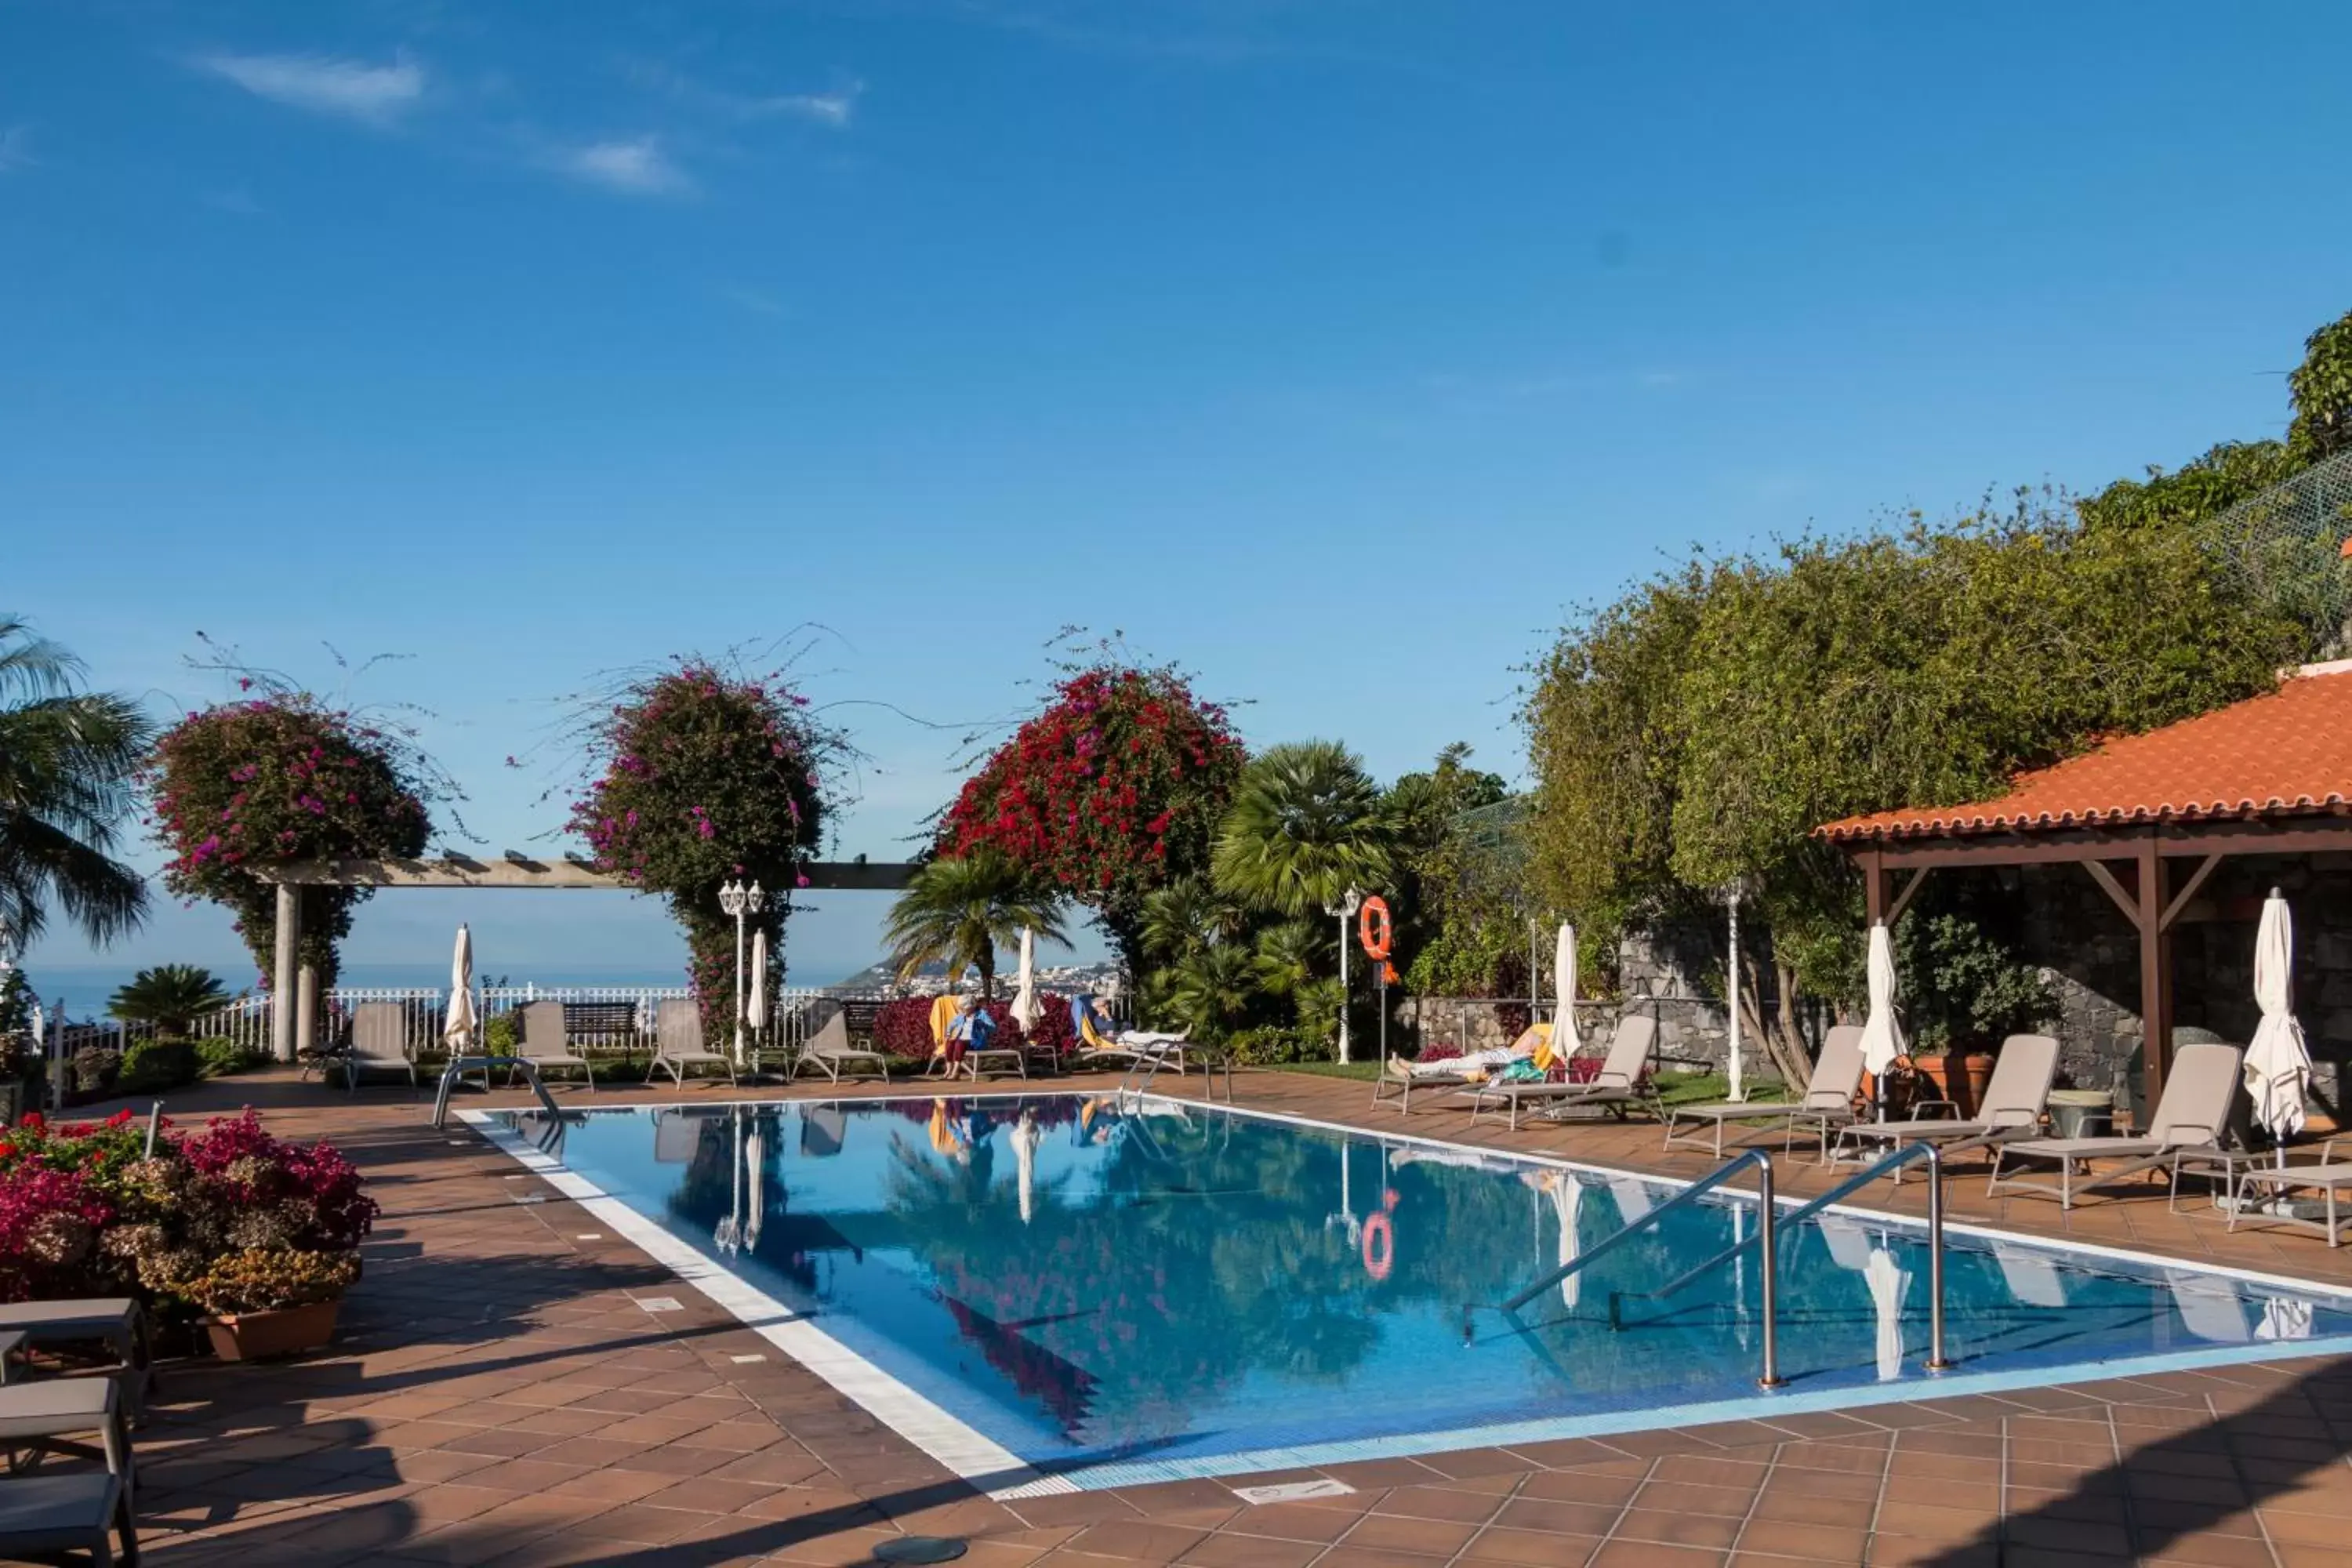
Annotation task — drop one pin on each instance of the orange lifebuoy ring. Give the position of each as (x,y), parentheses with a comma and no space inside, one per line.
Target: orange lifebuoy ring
(1379,1260)
(1372,927)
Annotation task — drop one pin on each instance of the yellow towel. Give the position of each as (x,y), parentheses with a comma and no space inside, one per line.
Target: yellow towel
(1087,1031)
(1539,1035)
(943,1013)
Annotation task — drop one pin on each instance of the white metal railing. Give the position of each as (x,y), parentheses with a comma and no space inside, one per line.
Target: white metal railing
(616,1021)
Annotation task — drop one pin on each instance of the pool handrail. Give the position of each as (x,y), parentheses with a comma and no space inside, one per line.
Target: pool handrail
(1893,1159)
(461,1065)
(1770,1376)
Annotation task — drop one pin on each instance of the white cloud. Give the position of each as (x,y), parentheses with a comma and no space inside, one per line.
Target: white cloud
(323,84)
(833,110)
(635,166)
(15,151)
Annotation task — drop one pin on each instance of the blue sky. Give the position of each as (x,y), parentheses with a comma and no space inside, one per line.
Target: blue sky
(1336,349)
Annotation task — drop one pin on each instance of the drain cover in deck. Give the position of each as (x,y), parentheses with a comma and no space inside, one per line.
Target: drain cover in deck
(919,1549)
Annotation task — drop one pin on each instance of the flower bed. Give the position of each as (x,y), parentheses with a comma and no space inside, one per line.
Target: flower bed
(227,1219)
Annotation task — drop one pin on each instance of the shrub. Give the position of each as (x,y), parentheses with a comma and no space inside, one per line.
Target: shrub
(256,1279)
(903,1028)
(219,1056)
(83,1212)
(152,1066)
(94,1070)
(1277,1044)
(501,1034)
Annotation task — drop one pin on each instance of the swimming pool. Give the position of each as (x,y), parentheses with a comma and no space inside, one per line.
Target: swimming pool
(1049,1291)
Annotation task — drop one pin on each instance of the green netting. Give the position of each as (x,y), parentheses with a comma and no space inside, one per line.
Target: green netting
(2287,545)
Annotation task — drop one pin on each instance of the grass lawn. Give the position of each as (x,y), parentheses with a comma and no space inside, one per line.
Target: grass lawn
(1362,1072)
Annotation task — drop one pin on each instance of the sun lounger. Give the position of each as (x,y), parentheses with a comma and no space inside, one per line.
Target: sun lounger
(57,1413)
(49,1517)
(544,1044)
(1132,1048)
(1616,1086)
(379,1043)
(2013,1106)
(678,1041)
(2329,1177)
(1398,1080)
(2189,1116)
(1828,1101)
(829,1051)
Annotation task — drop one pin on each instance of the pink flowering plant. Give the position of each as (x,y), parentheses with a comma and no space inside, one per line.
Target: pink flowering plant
(701,777)
(85,1211)
(282,776)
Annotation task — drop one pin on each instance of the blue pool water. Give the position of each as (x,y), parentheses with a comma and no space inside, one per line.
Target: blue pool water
(1086,1286)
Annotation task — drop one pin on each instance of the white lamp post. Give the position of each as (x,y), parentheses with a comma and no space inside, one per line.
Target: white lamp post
(1731,990)
(740,900)
(1344,911)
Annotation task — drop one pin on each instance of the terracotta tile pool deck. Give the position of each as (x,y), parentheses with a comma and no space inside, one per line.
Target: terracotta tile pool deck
(498,1395)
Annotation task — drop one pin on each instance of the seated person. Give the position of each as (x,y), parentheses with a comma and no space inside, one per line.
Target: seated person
(971,1030)
(1533,1047)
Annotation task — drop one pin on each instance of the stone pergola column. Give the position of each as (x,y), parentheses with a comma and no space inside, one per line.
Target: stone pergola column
(283,983)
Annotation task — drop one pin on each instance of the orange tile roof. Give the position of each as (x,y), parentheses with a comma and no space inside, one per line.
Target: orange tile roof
(2286,753)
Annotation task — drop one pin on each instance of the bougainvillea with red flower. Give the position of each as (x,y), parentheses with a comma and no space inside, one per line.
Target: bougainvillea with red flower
(706,778)
(282,777)
(1111,791)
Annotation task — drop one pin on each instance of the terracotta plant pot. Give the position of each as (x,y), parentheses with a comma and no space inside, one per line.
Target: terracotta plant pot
(258,1336)
(1963,1079)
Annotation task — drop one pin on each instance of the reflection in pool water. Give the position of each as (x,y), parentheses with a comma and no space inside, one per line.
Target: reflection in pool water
(1081,1282)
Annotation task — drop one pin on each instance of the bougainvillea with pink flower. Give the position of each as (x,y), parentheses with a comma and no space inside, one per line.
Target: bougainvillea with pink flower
(1111,791)
(282,777)
(705,777)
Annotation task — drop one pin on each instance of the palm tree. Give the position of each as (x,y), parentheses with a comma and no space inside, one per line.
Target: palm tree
(66,761)
(1186,916)
(169,996)
(1287,955)
(1211,992)
(957,910)
(1306,825)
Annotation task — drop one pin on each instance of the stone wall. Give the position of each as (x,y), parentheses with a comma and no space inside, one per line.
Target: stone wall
(1663,974)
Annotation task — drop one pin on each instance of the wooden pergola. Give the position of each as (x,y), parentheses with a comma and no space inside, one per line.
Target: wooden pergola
(294,986)
(2149,818)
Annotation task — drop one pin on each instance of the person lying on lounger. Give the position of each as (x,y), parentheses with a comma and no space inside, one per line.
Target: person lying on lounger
(1529,1054)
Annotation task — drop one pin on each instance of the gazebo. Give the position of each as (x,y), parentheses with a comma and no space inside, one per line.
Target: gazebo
(2149,818)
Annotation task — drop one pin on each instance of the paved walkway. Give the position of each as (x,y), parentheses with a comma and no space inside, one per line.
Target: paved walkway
(499,1395)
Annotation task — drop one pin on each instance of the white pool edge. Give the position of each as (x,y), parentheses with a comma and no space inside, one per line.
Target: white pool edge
(988,1465)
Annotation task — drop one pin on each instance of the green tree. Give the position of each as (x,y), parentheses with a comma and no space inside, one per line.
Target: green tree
(1305,824)
(169,996)
(68,761)
(2321,387)
(957,910)
(1699,731)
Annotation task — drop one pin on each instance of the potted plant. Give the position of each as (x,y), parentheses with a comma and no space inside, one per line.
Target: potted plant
(268,1300)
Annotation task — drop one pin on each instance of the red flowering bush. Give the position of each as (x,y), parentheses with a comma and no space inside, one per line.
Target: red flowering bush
(84,1210)
(282,777)
(706,779)
(903,1028)
(1112,790)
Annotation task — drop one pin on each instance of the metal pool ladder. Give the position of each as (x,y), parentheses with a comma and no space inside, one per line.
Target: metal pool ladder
(460,1066)
(1768,1221)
